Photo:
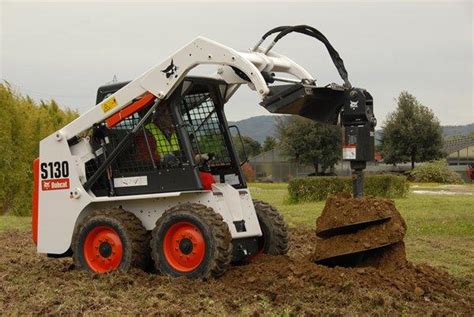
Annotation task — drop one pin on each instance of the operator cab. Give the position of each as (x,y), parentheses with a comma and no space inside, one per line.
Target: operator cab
(185,145)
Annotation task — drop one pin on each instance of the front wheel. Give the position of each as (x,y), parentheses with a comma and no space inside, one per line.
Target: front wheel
(274,239)
(191,240)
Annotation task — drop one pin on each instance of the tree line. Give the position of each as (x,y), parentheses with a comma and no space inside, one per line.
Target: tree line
(23,123)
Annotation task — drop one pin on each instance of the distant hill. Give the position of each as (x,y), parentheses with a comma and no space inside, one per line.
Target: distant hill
(450,130)
(258,128)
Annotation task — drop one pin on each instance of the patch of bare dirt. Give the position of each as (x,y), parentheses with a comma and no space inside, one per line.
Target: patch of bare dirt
(34,284)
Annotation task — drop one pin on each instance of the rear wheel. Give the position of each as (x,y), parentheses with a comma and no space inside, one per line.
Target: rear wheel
(274,239)
(109,240)
(191,240)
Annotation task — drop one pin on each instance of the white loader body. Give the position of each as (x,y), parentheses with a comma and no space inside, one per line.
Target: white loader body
(62,201)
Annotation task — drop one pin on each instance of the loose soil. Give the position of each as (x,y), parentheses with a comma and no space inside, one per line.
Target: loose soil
(342,209)
(34,284)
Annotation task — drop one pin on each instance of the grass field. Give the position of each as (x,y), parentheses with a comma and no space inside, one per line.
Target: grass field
(440,228)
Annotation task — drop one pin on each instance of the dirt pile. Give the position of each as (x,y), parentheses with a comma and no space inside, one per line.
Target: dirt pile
(365,231)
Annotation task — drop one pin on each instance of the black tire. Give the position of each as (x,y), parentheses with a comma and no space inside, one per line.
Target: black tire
(209,225)
(274,229)
(133,236)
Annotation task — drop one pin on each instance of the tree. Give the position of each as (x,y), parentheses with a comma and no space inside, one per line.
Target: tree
(250,147)
(269,144)
(310,142)
(23,123)
(411,133)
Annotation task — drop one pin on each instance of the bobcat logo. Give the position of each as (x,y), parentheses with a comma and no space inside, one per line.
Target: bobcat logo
(354,105)
(170,70)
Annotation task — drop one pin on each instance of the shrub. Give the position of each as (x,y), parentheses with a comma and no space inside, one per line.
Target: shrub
(318,188)
(389,186)
(435,172)
(249,173)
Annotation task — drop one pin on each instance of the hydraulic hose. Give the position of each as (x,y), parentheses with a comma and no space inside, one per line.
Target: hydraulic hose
(310,31)
(274,30)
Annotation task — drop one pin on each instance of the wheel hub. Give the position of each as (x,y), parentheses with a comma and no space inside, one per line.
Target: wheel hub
(186,246)
(105,249)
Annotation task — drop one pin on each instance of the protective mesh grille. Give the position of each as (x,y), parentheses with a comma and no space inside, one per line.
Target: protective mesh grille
(154,146)
(200,116)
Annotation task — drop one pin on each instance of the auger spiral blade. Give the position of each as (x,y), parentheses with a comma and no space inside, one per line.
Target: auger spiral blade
(354,229)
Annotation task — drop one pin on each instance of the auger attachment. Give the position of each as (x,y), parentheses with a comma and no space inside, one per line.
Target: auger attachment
(352,230)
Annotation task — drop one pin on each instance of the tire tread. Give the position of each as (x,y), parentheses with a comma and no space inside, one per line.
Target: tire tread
(277,224)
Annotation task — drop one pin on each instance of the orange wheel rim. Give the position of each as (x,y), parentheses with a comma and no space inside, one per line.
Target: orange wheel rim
(103,249)
(184,246)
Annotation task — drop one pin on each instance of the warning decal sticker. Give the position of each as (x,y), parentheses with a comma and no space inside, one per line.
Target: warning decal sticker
(349,152)
(109,104)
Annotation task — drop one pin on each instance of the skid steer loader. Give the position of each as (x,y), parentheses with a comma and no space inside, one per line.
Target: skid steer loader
(151,172)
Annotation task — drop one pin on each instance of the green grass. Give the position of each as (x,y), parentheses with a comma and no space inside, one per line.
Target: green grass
(15,223)
(440,228)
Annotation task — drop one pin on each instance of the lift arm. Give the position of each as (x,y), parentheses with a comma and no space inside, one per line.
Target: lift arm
(162,79)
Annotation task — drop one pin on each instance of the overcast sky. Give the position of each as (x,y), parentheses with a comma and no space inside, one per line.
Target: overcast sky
(66,50)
